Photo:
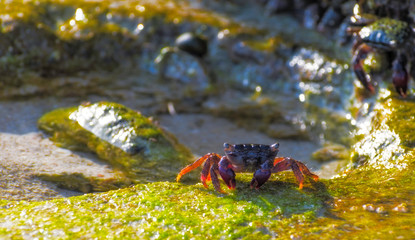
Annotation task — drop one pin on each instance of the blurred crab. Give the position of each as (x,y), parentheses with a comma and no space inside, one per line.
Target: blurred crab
(391,36)
(260,159)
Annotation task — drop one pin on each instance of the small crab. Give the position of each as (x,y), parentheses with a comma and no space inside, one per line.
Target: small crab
(260,159)
(390,36)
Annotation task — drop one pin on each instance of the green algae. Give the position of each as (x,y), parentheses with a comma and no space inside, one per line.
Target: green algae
(327,210)
(369,194)
(395,32)
(331,152)
(383,190)
(389,138)
(65,19)
(400,119)
(124,138)
(165,210)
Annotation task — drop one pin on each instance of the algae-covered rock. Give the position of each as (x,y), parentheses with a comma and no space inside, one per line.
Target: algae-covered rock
(124,138)
(167,211)
(335,209)
(387,137)
(327,86)
(331,152)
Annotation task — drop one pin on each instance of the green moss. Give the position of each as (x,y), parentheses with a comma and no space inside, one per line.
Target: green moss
(400,117)
(368,197)
(120,136)
(268,45)
(331,152)
(167,210)
(172,11)
(327,210)
(382,189)
(390,137)
(395,31)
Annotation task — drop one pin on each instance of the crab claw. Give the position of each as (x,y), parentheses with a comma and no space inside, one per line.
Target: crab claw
(400,75)
(261,175)
(227,174)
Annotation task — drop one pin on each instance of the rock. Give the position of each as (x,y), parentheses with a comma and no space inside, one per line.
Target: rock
(165,209)
(331,152)
(285,131)
(389,139)
(120,136)
(29,163)
(273,115)
(403,208)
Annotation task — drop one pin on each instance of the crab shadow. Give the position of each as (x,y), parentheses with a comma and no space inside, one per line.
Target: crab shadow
(281,196)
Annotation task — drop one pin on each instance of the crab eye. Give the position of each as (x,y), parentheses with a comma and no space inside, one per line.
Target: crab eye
(226,145)
(275,146)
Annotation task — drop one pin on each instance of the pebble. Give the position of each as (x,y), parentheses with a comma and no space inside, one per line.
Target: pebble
(403,208)
(369,207)
(372,208)
(381,210)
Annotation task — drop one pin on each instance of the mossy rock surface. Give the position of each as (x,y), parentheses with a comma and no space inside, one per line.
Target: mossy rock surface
(167,210)
(124,138)
(331,152)
(331,209)
(394,33)
(386,143)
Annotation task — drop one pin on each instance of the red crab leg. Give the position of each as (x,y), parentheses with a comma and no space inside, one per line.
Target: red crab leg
(358,59)
(300,170)
(192,166)
(196,164)
(400,75)
(227,173)
(208,177)
(205,176)
(214,171)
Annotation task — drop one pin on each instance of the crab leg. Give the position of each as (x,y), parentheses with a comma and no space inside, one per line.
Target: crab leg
(226,172)
(400,75)
(205,176)
(262,175)
(300,170)
(358,59)
(214,171)
(192,166)
(209,158)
